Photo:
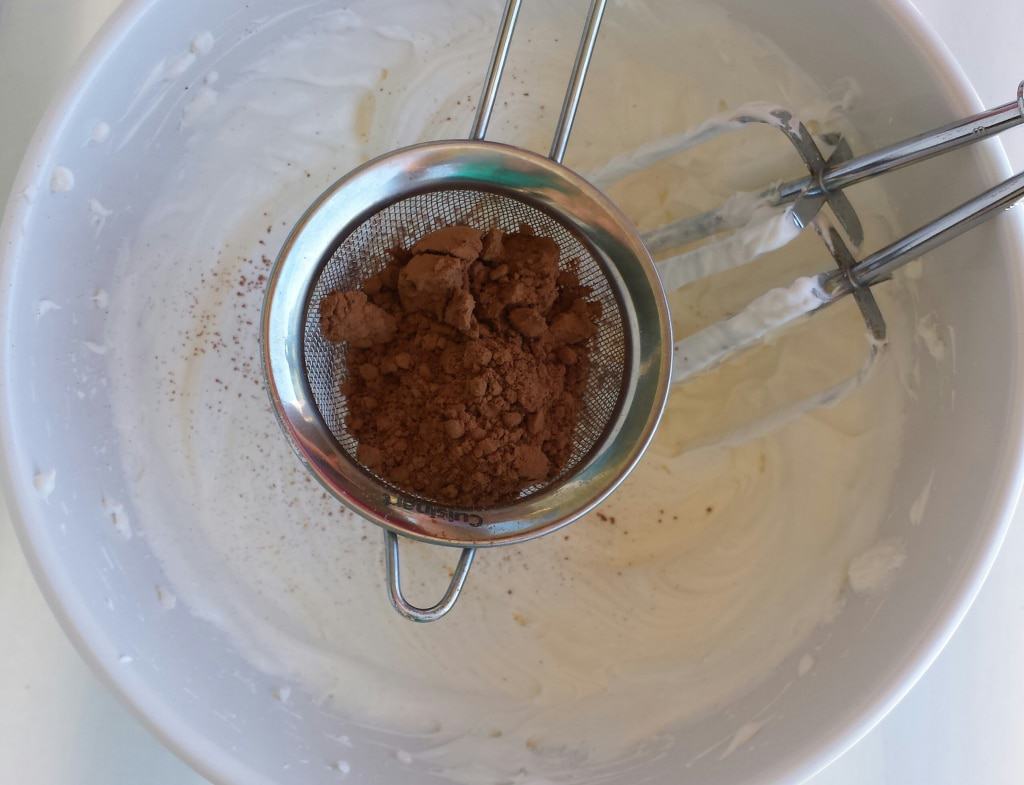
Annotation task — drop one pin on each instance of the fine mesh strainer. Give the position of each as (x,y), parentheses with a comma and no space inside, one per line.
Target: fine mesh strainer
(366,251)
(391,201)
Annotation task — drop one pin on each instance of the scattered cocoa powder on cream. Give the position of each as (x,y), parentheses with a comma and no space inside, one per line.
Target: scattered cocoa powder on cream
(466,359)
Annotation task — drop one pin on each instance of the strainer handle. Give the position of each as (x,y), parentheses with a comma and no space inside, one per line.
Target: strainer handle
(499,56)
(579,74)
(495,69)
(403,606)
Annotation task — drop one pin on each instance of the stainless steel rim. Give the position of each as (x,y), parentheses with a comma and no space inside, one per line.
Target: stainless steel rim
(546,185)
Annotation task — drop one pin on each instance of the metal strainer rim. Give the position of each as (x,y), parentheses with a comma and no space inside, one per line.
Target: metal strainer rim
(538,182)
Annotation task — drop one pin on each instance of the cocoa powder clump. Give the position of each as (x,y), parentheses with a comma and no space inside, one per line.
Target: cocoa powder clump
(466,359)
(349,316)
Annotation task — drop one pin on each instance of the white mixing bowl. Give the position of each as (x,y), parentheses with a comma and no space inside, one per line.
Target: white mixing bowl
(191,685)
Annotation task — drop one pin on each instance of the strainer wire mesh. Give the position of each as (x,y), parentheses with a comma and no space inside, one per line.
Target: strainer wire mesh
(365,251)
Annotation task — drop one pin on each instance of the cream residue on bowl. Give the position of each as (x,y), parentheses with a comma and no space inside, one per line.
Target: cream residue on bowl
(703,573)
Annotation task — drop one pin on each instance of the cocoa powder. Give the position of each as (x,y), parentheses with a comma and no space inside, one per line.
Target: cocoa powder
(466,360)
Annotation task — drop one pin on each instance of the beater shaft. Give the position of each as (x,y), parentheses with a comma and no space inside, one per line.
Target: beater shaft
(855,170)
(880,265)
(918,148)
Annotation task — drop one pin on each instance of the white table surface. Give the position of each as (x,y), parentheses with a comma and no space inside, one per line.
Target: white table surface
(963,723)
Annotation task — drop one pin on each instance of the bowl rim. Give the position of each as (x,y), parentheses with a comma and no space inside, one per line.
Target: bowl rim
(219,766)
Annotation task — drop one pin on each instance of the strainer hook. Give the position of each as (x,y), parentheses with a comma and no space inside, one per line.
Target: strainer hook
(403,606)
